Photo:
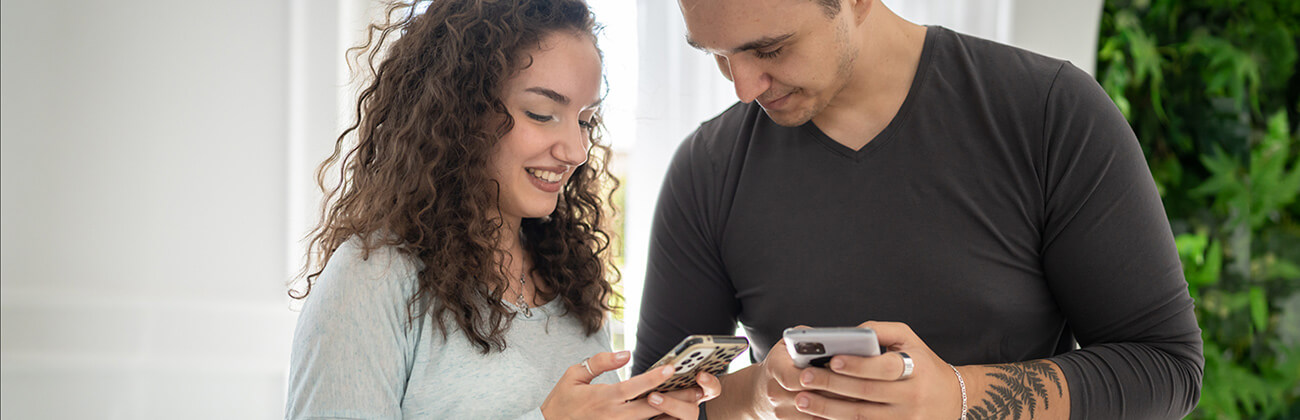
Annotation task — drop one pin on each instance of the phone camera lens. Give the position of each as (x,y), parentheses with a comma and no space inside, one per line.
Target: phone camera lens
(810,348)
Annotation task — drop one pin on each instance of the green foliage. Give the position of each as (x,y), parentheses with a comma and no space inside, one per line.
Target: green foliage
(1210,88)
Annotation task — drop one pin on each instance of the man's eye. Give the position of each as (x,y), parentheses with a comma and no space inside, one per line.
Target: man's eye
(768,54)
(539,118)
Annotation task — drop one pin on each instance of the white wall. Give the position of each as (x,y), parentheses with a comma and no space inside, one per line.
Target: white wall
(145,207)
(1065,29)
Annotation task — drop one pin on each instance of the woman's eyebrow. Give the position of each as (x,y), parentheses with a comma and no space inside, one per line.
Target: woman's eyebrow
(553,95)
(556,96)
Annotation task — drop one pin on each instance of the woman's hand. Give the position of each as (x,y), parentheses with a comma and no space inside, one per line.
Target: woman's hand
(575,397)
(685,404)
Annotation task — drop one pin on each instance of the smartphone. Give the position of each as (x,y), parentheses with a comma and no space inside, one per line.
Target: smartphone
(816,346)
(708,353)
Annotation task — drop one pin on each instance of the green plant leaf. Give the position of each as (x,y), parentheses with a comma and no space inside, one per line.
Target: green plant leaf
(1258,309)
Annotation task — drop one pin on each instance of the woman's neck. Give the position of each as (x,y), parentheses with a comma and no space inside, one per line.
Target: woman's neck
(514,257)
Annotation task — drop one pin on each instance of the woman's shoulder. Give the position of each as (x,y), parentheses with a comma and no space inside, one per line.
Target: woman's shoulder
(359,268)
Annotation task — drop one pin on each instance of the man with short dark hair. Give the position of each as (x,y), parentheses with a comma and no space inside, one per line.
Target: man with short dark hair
(989,202)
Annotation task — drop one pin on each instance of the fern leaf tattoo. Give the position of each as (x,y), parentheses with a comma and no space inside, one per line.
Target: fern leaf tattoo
(1016,391)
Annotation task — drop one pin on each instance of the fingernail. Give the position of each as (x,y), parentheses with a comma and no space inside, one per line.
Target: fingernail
(807,377)
(666,370)
(802,401)
(837,364)
(655,399)
(621,356)
(705,378)
(699,395)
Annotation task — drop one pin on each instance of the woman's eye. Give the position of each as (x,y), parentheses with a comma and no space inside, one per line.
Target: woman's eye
(539,118)
(586,125)
(768,54)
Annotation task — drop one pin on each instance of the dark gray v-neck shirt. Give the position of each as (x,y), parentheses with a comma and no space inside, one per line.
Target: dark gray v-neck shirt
(1005,212)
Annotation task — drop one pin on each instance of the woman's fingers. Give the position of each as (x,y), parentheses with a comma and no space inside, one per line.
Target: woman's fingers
(639,384)
(587,370)
(691,395)
(710,386)
(606,361)
(672,405)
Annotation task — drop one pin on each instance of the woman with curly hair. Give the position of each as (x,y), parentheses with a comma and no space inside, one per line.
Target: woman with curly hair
(460,268)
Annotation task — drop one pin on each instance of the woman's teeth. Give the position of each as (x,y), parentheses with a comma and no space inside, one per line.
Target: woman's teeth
(547,176)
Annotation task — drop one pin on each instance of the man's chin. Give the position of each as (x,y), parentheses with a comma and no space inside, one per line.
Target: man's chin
(790,118)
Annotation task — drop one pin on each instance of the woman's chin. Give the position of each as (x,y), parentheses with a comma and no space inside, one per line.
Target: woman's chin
(541,213)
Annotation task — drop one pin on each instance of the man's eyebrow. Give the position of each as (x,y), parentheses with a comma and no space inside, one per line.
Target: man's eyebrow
(758,44)
(557,96)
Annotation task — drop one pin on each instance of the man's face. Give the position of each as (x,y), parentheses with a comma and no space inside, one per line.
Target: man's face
(786,54)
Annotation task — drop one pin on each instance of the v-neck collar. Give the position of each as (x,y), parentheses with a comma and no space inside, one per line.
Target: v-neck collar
(904,111)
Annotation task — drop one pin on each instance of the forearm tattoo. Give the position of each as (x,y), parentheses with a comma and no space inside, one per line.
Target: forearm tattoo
(1016,390)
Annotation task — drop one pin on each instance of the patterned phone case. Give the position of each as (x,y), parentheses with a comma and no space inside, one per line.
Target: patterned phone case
(708,353)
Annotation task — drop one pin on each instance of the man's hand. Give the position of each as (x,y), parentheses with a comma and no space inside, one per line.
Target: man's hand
(852,387)
(874,386)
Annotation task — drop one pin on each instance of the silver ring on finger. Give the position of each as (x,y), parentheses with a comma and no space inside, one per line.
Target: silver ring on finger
(907,366)
(588,368)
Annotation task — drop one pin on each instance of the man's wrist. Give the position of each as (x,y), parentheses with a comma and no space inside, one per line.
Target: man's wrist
(736,400)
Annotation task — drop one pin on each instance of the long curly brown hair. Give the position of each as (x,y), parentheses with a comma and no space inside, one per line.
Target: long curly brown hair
(427,122)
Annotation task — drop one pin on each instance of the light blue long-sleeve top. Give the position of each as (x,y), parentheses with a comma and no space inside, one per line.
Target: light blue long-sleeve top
(356,355)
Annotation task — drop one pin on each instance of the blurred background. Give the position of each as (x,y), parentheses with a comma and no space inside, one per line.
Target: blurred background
(156,163)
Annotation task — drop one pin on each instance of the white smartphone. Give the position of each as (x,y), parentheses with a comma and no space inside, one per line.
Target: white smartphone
(816,346)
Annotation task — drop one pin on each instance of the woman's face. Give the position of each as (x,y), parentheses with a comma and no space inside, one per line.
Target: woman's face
(552,102)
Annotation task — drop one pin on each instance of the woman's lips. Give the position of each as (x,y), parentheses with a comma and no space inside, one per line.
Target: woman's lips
(545,180)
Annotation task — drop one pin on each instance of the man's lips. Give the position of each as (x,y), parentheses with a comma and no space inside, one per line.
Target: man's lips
(775,102)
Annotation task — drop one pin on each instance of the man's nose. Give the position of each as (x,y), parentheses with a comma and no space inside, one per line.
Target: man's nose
(748,78)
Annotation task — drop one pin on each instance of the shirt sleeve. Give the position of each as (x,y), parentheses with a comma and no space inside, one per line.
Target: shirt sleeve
(535,414)
(687,290)
(1109,258)
(351,355)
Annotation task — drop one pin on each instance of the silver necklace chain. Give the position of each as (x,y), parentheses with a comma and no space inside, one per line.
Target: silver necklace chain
(521,302)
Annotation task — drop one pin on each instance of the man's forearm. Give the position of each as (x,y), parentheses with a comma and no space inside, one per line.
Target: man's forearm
(1034,389)
(736,400)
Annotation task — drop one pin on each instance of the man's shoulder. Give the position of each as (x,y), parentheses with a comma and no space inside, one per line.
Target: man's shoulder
(726,127)
(717,139)
(994,62)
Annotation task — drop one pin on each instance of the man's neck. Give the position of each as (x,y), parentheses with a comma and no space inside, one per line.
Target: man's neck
(881,78)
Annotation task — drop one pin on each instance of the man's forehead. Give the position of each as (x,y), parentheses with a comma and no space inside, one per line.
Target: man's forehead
(728,26)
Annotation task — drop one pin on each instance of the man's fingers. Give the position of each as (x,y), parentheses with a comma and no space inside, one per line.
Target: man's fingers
(894,336)
(817,405)
(835,385)
(780,367)
(885,367)
(646,381)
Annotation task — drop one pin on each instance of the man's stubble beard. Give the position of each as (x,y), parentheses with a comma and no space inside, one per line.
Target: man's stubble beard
(843,74)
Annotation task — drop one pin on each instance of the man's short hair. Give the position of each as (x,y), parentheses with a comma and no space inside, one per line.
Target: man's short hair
(830,7)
